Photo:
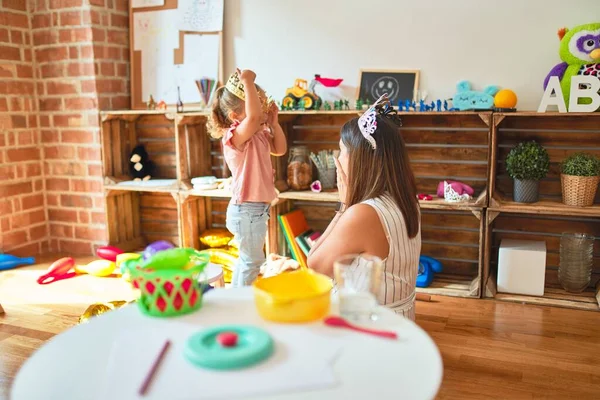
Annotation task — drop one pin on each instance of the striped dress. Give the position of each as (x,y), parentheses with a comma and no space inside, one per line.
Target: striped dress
(402,262)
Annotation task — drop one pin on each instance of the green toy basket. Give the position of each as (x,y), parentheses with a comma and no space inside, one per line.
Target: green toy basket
(168,282)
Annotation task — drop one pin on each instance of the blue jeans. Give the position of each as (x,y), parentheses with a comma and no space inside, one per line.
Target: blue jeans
(248,223)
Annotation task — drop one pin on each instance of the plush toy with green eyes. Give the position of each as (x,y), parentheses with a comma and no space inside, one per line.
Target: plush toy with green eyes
(580,53)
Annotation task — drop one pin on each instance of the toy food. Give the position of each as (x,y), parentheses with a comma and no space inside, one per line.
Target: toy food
(121,258)
(155,247)
(468,99)
(579,51)
(216,237)
(97,268)
(100,308)
(108,252)
(298,296)
(140,166)
(505,98)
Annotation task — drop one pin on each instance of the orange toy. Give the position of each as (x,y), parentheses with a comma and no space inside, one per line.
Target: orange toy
(505,98)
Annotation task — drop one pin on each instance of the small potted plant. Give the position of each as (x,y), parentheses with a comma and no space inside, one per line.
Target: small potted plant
(579,178)
(527,163)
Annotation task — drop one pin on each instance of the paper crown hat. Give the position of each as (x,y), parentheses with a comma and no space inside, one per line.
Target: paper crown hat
(235,86)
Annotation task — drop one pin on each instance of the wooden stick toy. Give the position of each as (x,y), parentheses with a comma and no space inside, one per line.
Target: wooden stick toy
(153,369)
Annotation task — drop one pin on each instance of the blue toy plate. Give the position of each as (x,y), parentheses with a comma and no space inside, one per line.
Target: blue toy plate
(253,346)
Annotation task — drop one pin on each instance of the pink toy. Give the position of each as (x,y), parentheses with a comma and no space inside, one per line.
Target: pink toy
(109,253)
(57,271)
(458,187)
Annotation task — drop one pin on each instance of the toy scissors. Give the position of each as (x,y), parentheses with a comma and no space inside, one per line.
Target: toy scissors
(59,270)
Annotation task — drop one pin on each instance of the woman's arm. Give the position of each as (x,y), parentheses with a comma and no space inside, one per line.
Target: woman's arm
(250,125)
(325,234)
(358,230)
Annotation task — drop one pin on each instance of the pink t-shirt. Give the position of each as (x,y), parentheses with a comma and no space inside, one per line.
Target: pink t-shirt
(251,169)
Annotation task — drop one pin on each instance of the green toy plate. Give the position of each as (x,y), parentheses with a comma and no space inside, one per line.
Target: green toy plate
(253,346)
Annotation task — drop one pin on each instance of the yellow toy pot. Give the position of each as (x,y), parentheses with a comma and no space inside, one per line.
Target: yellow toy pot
(298,296)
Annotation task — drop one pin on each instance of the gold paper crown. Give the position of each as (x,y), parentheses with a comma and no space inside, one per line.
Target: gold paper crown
(235,86)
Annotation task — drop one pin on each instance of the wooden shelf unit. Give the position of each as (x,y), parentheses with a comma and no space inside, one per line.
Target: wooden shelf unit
(465,146)
(547,219)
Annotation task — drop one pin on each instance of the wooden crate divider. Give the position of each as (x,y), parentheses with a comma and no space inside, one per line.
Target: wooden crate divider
(561,135)
(136,219)
(122,131)
(465,146)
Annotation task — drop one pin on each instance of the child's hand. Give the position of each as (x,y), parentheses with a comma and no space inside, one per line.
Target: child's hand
(246,75)
(273,114)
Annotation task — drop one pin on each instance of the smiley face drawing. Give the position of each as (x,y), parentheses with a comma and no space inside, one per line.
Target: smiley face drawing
(385,84)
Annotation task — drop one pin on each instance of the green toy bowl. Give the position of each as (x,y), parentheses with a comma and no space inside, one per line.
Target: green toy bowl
(168,283)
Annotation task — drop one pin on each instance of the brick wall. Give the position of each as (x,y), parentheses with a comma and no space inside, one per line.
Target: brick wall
(80,61)
(23,223)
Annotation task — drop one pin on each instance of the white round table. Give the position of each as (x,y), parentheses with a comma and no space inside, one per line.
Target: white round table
(73,364)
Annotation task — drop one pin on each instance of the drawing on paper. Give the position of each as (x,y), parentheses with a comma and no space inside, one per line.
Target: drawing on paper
(202,15)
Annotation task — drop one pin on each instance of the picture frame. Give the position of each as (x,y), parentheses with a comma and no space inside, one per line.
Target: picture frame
(399,84)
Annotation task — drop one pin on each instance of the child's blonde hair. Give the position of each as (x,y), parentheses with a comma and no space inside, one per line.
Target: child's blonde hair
(224,104)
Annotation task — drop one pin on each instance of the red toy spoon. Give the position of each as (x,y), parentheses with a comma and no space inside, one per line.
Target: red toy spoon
(342,323)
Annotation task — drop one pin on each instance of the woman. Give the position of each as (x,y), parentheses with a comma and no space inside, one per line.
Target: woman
(379,212)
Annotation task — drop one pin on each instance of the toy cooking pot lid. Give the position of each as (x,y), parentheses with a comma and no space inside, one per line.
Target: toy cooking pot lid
(254,345)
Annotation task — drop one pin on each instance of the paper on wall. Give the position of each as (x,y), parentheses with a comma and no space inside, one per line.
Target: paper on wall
(156,36)
(147,3)
(201,15)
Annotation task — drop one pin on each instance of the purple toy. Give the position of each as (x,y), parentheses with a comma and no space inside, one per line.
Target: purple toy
(155,247)
(458,187)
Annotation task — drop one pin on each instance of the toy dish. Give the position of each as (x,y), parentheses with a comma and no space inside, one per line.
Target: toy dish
(298,296)
(252,345)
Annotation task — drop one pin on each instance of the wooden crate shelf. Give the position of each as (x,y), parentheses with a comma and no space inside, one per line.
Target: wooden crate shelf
(548,206)
(561,135)
(122,131)
(547,228)
(136,219)
(547,219)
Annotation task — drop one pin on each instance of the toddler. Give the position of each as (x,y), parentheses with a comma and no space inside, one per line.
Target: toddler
(246,122)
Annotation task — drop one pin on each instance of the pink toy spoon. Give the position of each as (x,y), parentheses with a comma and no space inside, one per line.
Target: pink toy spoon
(342,323)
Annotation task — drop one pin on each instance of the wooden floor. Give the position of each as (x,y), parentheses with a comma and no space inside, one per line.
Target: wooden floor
(491,350)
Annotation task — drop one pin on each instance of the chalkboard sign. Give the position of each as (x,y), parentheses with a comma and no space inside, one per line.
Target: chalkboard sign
(399,85)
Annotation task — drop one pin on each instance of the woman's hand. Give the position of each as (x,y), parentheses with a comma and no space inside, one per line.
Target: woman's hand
(342,182)
(246,75)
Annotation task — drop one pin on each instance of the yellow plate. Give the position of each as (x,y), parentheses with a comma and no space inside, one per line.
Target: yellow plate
(298,296)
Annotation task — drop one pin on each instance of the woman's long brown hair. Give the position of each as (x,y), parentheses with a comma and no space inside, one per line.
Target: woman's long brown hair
(386,169)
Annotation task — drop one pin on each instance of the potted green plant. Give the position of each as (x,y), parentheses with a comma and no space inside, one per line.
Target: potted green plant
(527,163)
(579,178)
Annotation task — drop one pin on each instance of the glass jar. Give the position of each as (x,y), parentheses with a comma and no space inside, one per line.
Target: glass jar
(299,170)
(576,261)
